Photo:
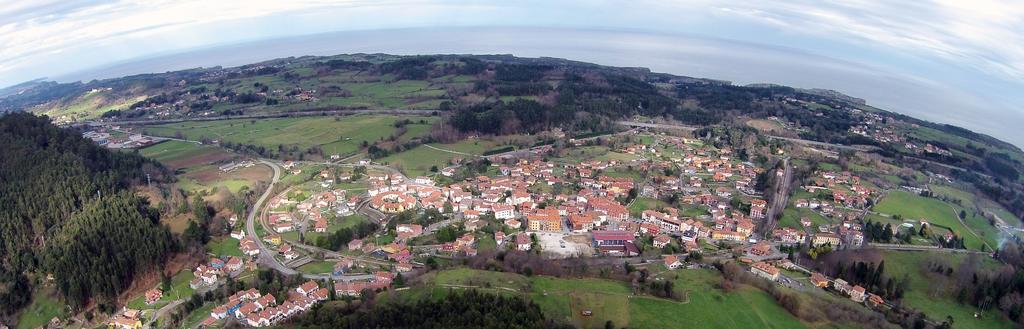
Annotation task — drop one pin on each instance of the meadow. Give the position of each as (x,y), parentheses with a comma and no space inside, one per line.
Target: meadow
(44,307)
(916,207)
(340,135)
(701,305)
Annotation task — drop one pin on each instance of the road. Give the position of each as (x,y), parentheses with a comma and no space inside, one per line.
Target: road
(266,256)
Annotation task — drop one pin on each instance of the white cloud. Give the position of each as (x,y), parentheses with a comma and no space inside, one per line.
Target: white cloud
(986,35)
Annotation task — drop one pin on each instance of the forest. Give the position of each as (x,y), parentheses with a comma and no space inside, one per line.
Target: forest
(68,212)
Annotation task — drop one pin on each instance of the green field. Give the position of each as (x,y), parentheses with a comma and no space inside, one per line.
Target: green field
(593,153)
(915,207)
(198,315)
(43,308)
(179,286)
(791,217)
(418,160)
(334,226)
(928,292)
(641,203)
(342,135)
(171,150)
(317,267)
(702,305)
(224,246)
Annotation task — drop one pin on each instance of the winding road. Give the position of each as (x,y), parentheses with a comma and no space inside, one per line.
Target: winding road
(266,256)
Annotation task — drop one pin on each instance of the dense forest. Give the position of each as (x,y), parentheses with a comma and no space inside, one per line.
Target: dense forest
(66,212)
(468,309)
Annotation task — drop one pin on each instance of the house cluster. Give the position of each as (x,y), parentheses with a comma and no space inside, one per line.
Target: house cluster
(209,274)
(855,292)
(845,189)
(252,309)
(891,130)
(318,209)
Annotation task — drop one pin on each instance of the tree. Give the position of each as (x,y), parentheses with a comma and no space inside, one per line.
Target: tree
(165,282)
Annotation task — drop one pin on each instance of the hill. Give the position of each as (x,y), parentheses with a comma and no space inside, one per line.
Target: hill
(68,212)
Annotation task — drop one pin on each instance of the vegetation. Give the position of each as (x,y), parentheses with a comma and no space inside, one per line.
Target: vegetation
(456,310)
(70,193)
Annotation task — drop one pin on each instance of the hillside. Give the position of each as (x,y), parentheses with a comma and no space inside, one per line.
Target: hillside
(68,212)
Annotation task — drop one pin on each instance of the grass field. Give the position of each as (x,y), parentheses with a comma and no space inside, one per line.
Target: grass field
(928,292)
(418,160)
(43,308)
(224,246)
(641,203)
(198,315)
(791,217)
(334,135)
(334,226)
(912,206)
(317,267)
(703,305)
(179,286)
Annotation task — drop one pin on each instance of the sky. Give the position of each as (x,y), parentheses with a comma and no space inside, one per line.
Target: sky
(948,61)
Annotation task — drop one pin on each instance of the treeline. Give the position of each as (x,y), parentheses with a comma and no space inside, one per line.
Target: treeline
(458,309)
(49,176)
(872,278)
(999,289)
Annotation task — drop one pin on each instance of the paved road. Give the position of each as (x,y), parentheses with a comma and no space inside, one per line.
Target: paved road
(266,257)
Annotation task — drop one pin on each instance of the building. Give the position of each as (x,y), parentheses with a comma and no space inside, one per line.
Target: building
(662,240)
(614,242)
(672,262)
(765,270)
(153,296)
(392,202)
(547,220)
(758,209)
(825,239)
(819,280)
(761,249)
(504,211)
(523,242)
(858,294)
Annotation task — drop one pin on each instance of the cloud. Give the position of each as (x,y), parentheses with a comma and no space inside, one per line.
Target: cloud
(985,35)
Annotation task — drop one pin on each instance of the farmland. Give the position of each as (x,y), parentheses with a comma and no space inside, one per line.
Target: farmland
(341,135)
(179,154)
